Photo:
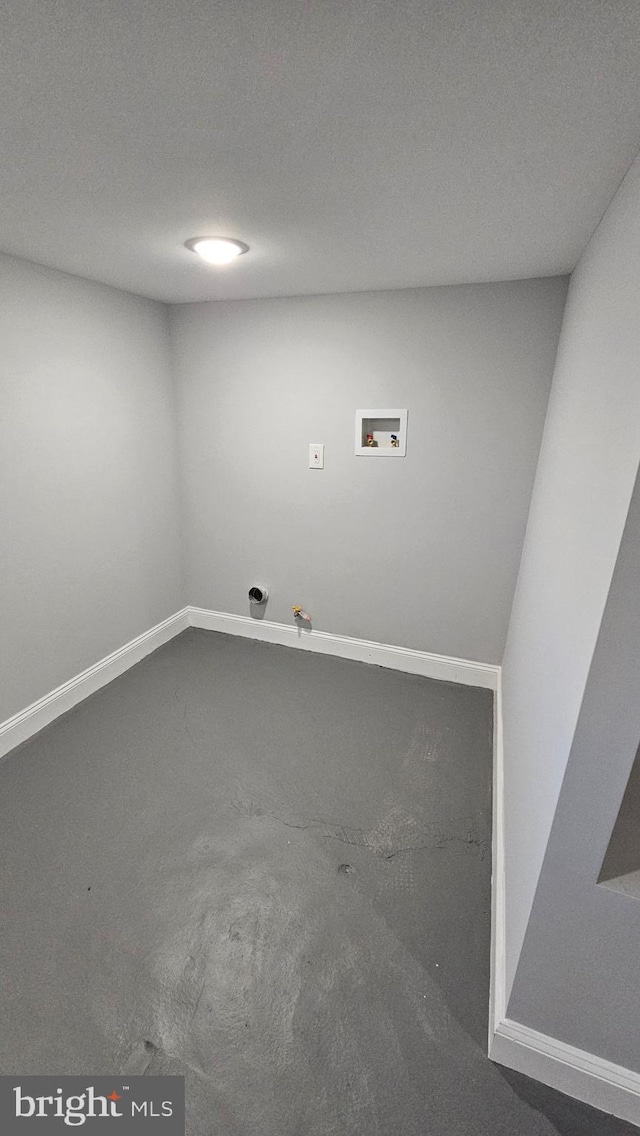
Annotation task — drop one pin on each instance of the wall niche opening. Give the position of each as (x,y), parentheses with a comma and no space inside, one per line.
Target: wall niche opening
(381,433)
(621,865)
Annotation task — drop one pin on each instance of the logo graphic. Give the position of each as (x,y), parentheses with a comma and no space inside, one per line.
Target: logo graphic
(137,1105)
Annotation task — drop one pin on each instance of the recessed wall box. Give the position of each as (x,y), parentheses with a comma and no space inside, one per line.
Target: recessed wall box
(381,433)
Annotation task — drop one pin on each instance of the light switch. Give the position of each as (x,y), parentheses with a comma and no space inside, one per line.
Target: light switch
(316,455)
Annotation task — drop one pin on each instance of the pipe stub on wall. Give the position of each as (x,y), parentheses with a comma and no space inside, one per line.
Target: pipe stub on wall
(258,594)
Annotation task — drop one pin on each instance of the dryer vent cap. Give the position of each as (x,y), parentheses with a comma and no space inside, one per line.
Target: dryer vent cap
(258,594)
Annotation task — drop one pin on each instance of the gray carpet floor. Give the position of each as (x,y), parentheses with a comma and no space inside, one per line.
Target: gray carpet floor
(269,871)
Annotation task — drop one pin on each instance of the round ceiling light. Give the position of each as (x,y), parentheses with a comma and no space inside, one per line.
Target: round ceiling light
(216,250)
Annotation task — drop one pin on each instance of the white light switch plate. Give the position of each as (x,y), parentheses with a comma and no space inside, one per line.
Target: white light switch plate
(316,455)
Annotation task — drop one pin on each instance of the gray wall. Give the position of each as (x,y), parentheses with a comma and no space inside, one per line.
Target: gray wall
(578,974)
(89,553)
(421,551)
(584,481)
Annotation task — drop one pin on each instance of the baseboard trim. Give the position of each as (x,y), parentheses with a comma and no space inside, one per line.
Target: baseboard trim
(35,717)
(23,725)
(584,1076)
(462,671)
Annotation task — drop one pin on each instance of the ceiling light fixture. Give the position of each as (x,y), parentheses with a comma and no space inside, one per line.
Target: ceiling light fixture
(216,250)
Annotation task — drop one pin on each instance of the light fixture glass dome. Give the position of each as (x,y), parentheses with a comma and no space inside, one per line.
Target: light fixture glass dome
(217,250)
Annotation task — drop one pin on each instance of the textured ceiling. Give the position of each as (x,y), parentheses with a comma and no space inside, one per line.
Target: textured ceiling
(354,144)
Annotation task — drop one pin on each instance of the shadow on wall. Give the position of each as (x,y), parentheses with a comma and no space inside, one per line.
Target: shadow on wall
(258,600)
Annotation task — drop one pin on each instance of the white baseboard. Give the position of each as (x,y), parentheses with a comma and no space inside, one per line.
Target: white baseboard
(461,671)
(29,721)
(581,1075)
(23,725)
